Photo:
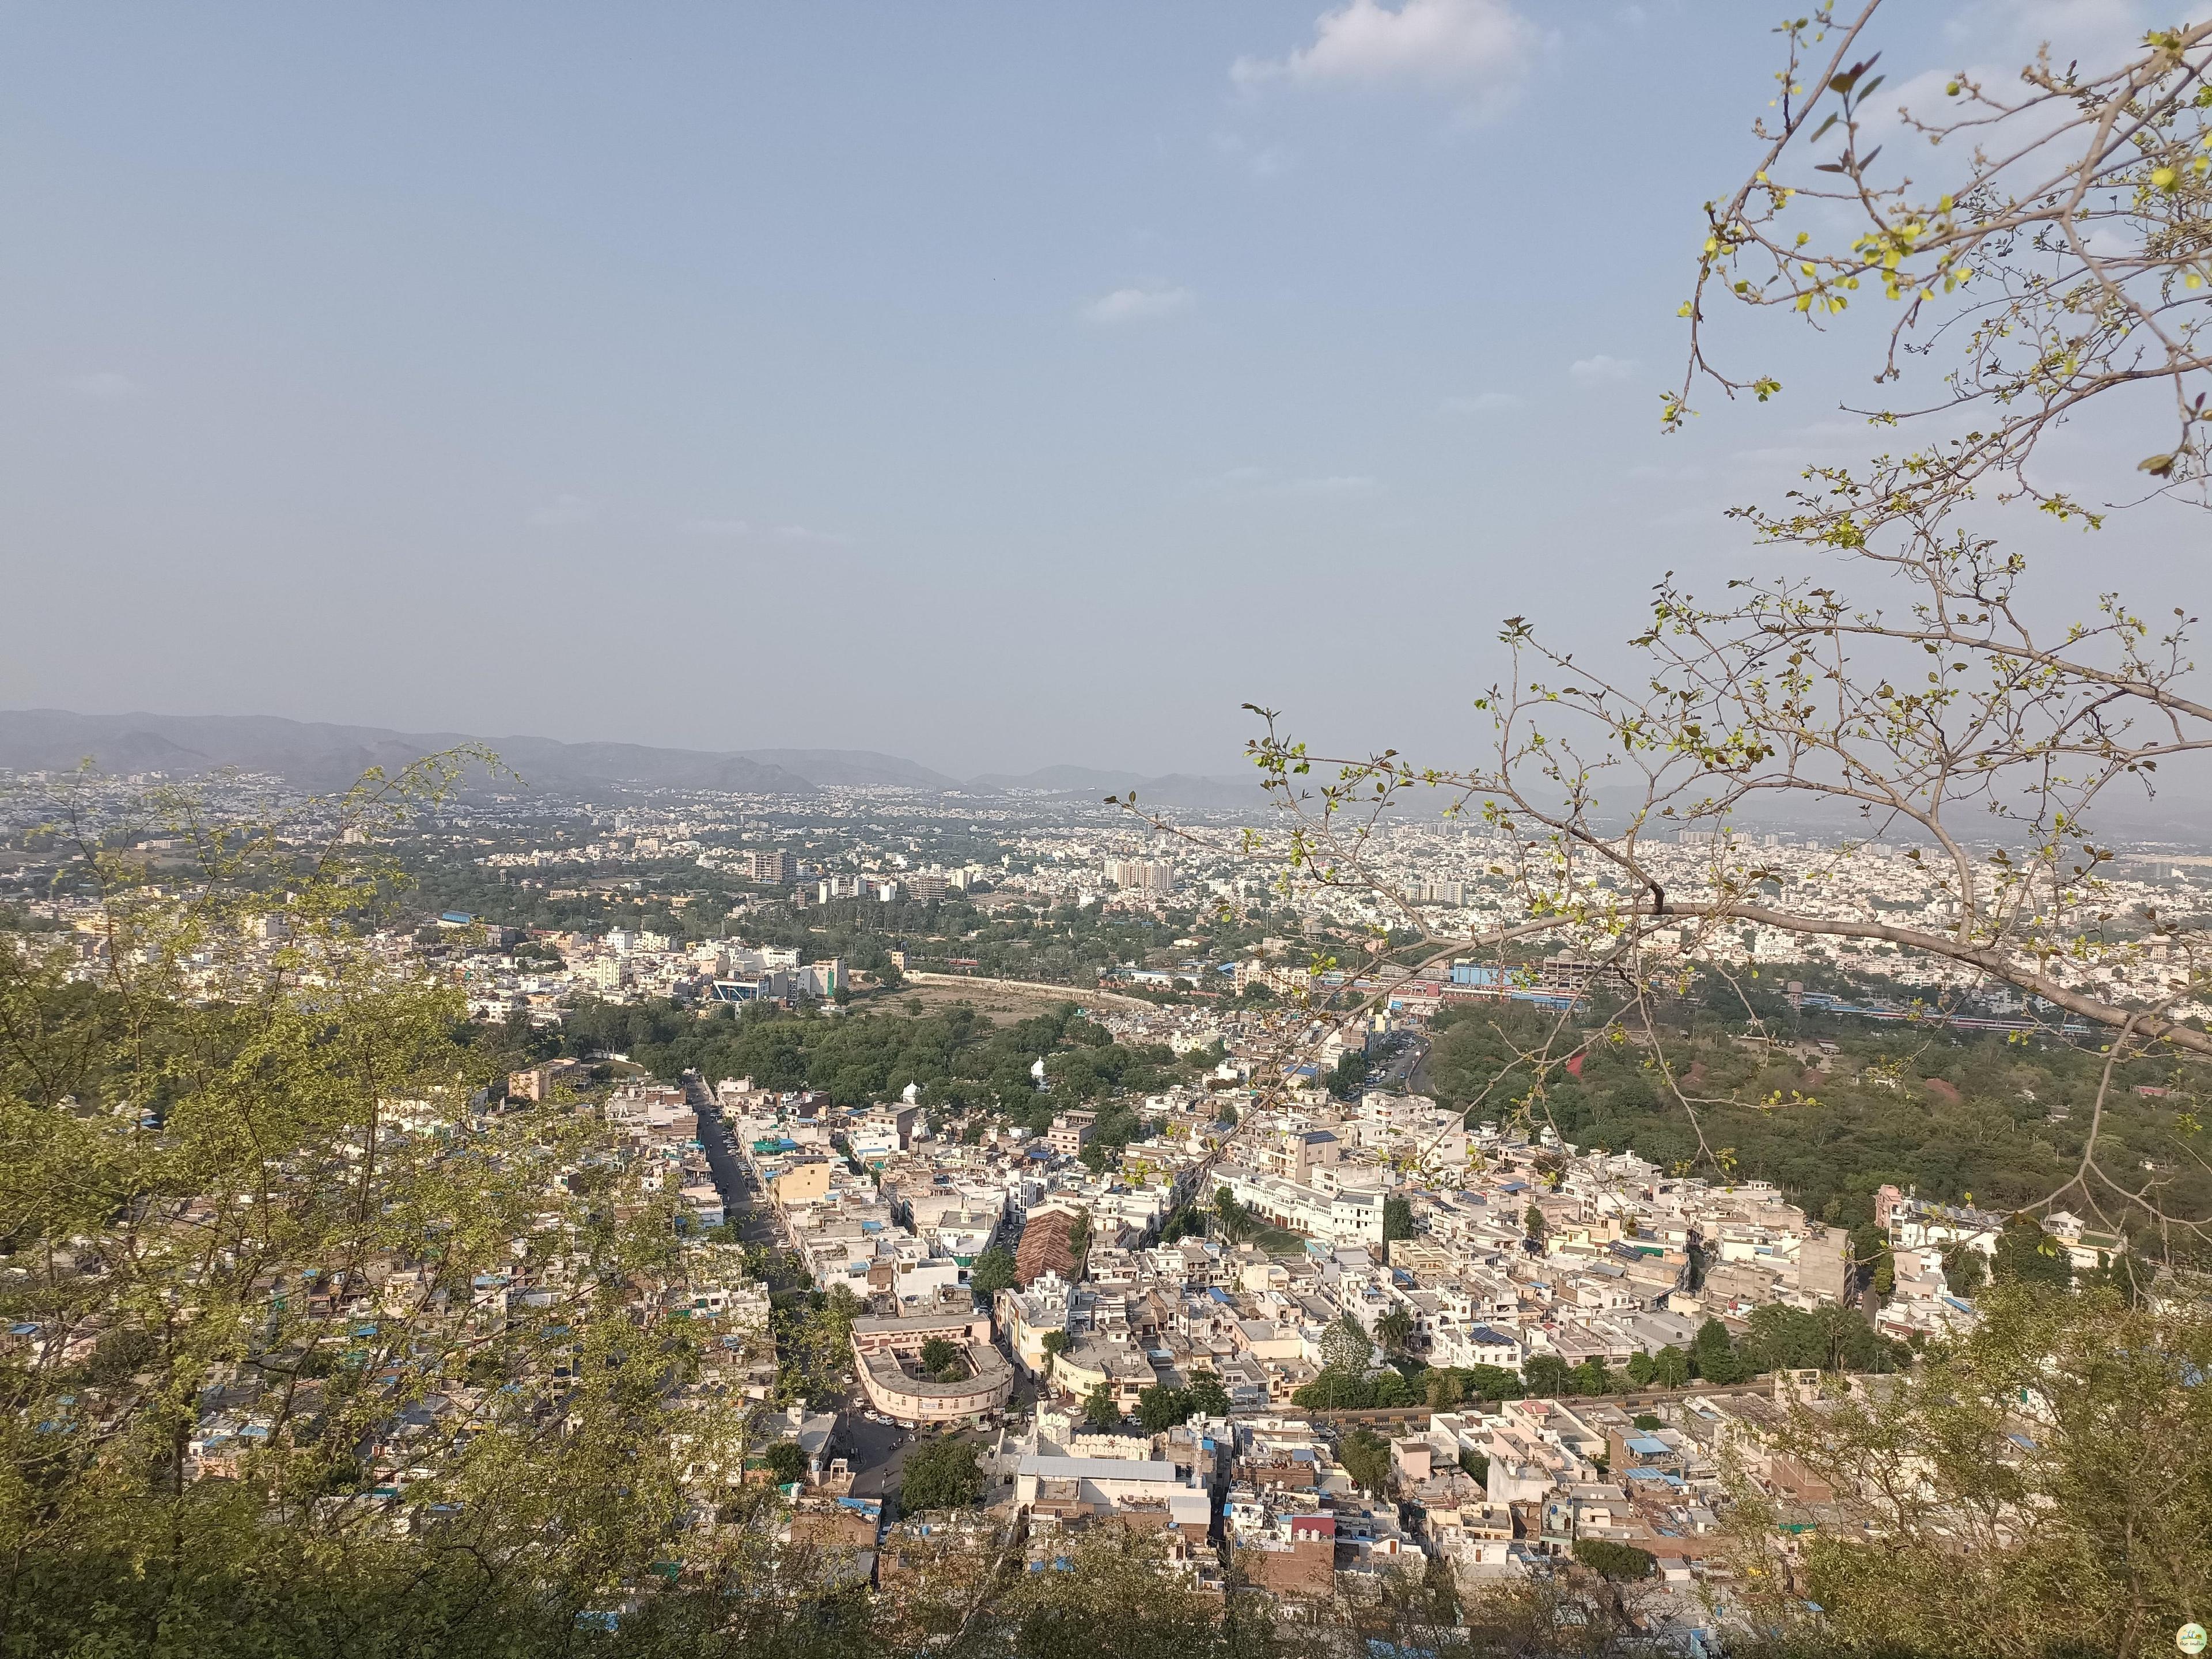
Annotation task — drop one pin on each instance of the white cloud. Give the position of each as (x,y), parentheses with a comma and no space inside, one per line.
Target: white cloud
(564,510)
(1480,403)
(1590,371)
(1134,305)
(744,530)
(1480,50)
(102,386)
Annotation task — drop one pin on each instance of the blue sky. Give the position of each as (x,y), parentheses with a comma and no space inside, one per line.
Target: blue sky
(999,385)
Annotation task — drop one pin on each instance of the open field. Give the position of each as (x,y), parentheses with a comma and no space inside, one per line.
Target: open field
(1004,1002)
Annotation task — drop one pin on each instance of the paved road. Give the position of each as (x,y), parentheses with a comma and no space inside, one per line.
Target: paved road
(1406,1055)
(756,1223)
(878,1453)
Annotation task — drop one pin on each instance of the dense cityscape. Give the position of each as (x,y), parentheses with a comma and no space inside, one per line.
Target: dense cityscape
(1068,1185)
(1309,830)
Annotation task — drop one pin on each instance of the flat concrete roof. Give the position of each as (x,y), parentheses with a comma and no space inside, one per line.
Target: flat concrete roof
(877,1326)
(1097,1468)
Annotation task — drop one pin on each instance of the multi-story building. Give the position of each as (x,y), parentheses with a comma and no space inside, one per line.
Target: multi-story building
(1070,1132)
(887,1356)
(1141,875)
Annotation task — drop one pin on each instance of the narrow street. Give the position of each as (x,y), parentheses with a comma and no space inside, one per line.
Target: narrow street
(756,1222)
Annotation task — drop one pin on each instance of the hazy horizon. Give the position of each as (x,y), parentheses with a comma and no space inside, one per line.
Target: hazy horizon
(992,387)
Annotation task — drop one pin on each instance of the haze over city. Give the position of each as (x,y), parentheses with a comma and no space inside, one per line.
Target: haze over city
(996,386)
(1273,831)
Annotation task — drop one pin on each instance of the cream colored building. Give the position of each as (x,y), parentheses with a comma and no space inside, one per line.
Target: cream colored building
(887,1356)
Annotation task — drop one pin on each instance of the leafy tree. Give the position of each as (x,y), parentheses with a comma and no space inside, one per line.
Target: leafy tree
(1350,1076)
(816,1346)
(1394,1329)
(1475,1464)
(992,1272)
(940,1474)
(1390,1388)
(1232,1219)
(1101,1410)
(2109,1400)
(786,1462)
(1345,1347)
(1713,1353)
(1591,1377)
(1870,1259)
(1613,1561)
(1366,1458)
(1639,1367)
(1492,1383)
(1397,1217)
(1533,1221)
(2126,1273)
(1334,1389)
(238,1146)
(1161,1407)
(1670,1368)
(2028,1256)
(1547,1376)
(939,1355)
(1055,1343)
(1830,1338)
(1207,1396)
(1966,1270)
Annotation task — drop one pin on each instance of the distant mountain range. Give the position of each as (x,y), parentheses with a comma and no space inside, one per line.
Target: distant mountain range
(322,757)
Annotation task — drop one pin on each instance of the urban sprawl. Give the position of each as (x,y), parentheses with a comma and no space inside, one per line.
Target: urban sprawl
(1297,1331)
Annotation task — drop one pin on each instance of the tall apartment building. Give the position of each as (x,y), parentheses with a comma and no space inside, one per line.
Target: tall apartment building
(1141,875)
(771,865)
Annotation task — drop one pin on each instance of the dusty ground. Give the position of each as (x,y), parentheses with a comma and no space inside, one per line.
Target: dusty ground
(997,1003)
